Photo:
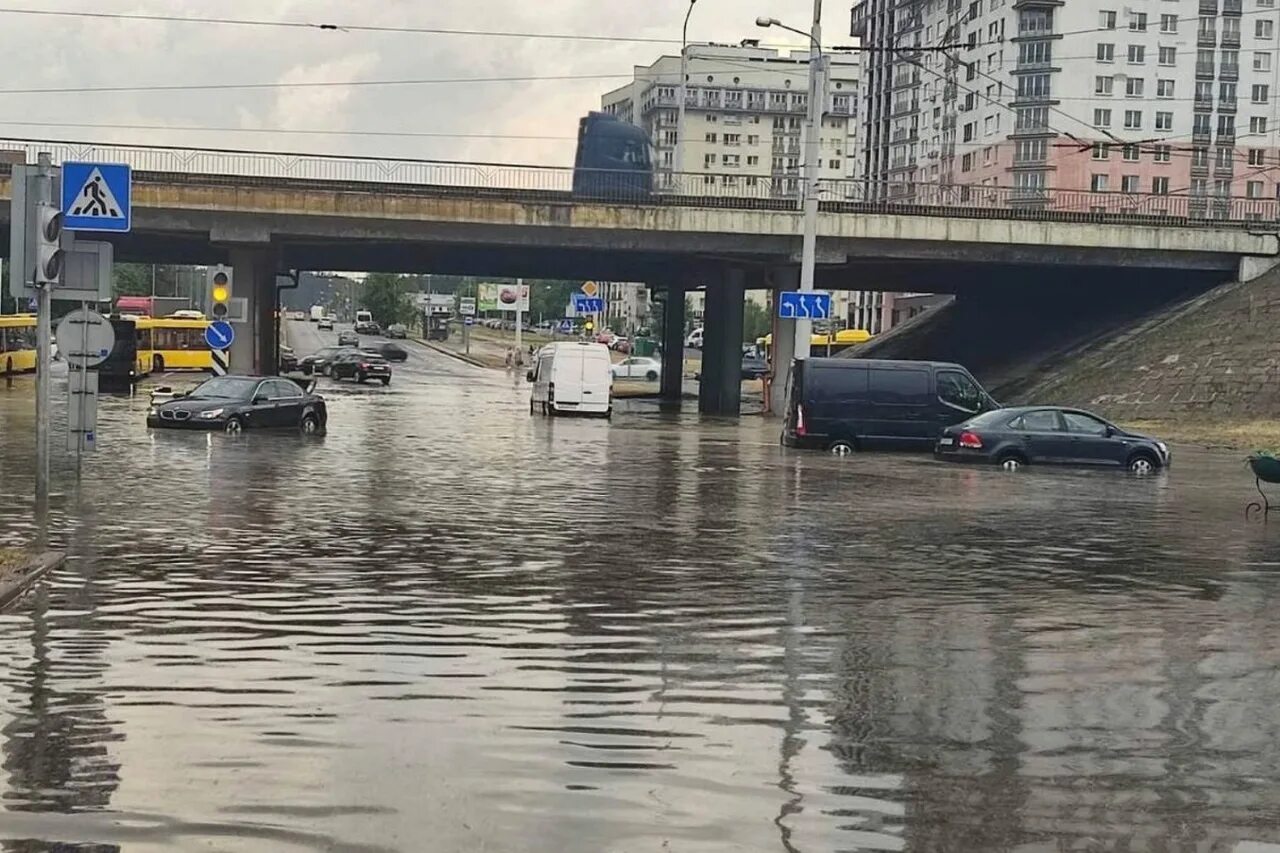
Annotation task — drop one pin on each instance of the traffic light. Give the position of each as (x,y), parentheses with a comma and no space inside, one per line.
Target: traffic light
(588,325)
(219,292)
(49,254)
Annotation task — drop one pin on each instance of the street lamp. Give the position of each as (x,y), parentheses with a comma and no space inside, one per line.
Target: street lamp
(684,87)
(812,153)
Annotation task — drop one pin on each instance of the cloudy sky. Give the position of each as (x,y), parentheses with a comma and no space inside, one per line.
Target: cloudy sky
(44,51)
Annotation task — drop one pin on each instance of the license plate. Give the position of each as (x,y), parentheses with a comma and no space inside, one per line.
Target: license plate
(946,442)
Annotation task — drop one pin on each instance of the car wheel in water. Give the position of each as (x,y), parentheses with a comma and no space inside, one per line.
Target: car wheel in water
(652,376)
(1142,464)
(360,378)
(310,424)
(1012,463)
(386,382)
(233,426)
(840,448)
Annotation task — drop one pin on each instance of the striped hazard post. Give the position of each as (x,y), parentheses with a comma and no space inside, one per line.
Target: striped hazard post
(219,335)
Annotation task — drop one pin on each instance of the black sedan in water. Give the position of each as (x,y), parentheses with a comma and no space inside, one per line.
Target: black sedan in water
(319,360)
(1030,435)
(235,403)
(390,351)
(361,366)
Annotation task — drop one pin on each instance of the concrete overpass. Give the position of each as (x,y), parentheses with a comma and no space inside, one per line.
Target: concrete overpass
(264,213)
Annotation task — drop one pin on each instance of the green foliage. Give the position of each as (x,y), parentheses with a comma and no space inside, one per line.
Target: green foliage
(386,296)
(131,280)
(755,322)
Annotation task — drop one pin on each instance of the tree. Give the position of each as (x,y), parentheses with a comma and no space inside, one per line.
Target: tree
(131,280)
(755,322)
(384,295)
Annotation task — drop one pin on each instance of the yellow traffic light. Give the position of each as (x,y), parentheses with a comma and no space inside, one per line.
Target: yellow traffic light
(220,293)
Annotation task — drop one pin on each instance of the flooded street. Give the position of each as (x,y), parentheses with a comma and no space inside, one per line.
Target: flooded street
(446,625)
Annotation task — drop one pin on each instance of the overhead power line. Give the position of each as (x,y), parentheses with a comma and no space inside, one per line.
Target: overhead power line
(316,84)
(177,128)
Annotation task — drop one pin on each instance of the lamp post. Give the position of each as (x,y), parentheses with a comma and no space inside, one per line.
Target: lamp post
(684,88)
(812,153)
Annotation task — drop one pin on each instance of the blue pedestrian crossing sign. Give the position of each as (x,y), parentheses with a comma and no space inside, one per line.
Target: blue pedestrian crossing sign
(804,305)
(219,334)
(97,196)
(566,326)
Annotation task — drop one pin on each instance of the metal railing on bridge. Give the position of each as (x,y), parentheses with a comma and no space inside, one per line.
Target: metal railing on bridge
(722,189)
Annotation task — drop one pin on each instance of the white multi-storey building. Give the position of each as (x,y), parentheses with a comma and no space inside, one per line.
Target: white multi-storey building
(1162,97)
(744,115)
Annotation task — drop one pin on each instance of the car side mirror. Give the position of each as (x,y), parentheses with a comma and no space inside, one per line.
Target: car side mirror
(1111,431)
(258,399)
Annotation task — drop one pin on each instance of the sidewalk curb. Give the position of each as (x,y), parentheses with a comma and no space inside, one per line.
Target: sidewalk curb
(14,584)
(474,362)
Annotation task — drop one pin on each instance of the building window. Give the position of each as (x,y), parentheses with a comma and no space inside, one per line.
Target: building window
(970,130)
(1256,156)
(1106,20)
(1137,54)
(1199,187)
(710,137)
(1261,61)
(1133,119)
(1230,60)
(1227,93)
(989,125)
(753,139)
(732,161)
(1103,85)
(1160,154)
(1138,22)
(1129,153)
(1129,184)
(732,139)
(1134,86)
(1030,150)
(1032,119)
(966,163)
(1222,189)
(1102,118)
(1227,125)
(1033,86)
(833,164)
(1164,88)
(1199,156)
(1160,186)
(753,160)
(1168,23)
(1106,53)
(1098,182)
(708,160)
(1258,124)
(1260,93)
(1168,56)
(1033,53)
(1101,151)
(1200,124)
(1253,189)
(1164,121)
(1263,29)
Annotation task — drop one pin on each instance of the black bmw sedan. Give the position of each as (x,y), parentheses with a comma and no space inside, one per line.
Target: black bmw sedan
(235,403)
(1032,435)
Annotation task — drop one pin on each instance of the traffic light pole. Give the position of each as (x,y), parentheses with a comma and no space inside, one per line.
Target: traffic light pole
(44,340)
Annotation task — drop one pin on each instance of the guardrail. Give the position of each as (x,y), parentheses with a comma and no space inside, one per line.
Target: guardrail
(705,189)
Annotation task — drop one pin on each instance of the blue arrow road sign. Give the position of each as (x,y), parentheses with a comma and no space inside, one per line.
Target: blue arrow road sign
(97,196)
(804,305)
(219,334)
(584,304)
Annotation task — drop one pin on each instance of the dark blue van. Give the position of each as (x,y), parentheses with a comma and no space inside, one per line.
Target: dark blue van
(614,159)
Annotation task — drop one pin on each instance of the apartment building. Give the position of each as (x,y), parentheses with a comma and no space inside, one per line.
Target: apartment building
(744,116)
(1173,97)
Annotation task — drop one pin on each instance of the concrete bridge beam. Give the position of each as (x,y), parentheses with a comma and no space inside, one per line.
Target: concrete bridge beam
(254,349)
(673,321)
(720,392)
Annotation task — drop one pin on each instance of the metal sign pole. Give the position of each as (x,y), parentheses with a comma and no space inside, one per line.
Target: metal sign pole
(84,387)
(44,340)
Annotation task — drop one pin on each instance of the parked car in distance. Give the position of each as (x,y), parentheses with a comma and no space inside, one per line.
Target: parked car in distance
(361,366)
(390,351)
(638,368)
(235,403)
(572,378)
(694,339)
(319,360)
(325,323)
(754,365)
(348,339)
(398,330)
(847,404)
(605,337)
(367,327)
(1033,435)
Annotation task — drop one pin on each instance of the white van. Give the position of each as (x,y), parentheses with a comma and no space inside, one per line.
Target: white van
(694,341)
(572,377)
(364,316)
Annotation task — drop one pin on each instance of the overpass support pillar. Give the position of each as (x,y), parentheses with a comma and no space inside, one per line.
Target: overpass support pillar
(784,340)
(254,350)
(673,344)
(720,392)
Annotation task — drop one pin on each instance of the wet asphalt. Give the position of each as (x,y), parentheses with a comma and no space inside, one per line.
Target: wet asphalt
(446,625)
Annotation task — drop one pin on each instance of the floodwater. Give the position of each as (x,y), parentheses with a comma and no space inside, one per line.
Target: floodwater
(449,626)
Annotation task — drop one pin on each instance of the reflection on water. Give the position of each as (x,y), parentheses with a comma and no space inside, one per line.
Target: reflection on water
(449,626)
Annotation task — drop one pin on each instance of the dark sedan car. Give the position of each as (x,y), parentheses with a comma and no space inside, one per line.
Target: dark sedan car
(1026,435)
(348,339)
(754,366)
(318,361)
(361,366)
(235,403)
(390,351)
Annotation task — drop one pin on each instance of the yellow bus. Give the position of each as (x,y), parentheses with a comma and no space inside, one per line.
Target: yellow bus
(821,345)
(172,343)
(17,343)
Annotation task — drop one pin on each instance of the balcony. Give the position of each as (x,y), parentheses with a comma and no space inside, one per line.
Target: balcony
(1229,72)
(1207,38)
(1204,70)
(904,108)
(904,80)
(1223,170)
(1209,7)
(1201,136)
(1226,137)
(1204,104)
(905,135)
(1232,7)
(1199,170)
(1227,105)
(1231,39)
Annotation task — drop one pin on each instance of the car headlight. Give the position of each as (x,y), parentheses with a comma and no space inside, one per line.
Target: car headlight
(211,414)
(1164,448)
(152,412)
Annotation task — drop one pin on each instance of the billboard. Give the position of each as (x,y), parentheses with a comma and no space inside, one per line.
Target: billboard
(503,297)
